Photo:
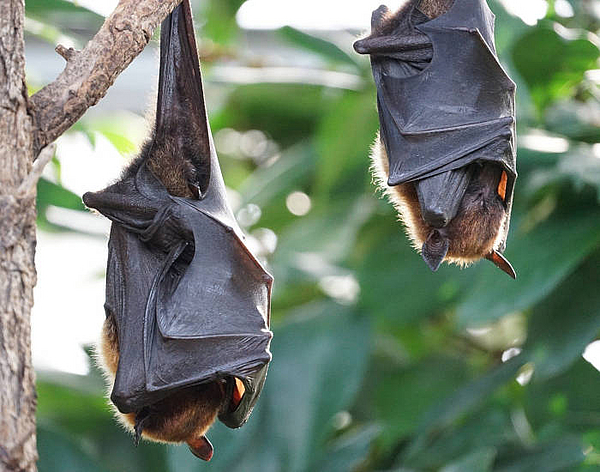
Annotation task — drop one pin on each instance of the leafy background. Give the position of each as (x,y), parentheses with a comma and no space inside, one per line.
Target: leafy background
(379,365)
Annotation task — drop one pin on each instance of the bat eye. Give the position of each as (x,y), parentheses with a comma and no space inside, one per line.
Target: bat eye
(238,393)
(502,186)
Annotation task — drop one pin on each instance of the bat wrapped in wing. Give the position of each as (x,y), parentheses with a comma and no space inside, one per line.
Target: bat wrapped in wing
(446,151)
(186,337)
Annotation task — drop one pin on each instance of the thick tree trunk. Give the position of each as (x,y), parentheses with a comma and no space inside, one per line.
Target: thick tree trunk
(17,248)
(54,109)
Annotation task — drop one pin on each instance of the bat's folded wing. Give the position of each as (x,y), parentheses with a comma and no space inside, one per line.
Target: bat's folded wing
(190,301)
(215,313)
(459,110)
(455,110)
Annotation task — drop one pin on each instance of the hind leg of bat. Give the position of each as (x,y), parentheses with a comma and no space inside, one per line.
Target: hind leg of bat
(184,416)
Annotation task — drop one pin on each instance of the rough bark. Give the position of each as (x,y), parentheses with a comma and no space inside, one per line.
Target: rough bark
(17,247)
(90,72)
(27,126)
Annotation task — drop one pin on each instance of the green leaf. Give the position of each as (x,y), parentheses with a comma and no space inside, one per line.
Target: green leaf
(344,139)
(477,461)
(217,18)
(580,166)
(542,259)
(551,65)
(268,107)
(323,237)
(549,457)
(58,452)
(318,366)
(326,49)
(49,33)
(348,451)
(485,430)
(566,402)
(402,396)
(396,286)
(49,193)
(564,323)
(44,8)
(280,178)
(461,402)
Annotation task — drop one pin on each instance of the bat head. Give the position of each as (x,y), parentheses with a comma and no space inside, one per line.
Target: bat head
(183,416)
(453,217)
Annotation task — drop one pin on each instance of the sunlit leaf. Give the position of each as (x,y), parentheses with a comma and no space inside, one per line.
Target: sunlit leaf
(326,49)
(565,322)
(49,193)
(542,259)
(551,65)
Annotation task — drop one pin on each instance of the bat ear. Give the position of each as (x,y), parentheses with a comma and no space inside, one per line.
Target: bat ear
(434,250)
(180,108)
(502,263)
(201,448)
(238,393)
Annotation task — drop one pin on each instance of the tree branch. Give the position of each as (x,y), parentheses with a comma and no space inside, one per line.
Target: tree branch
(90,72)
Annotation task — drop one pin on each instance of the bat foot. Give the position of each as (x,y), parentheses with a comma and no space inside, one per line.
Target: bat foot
(201,448)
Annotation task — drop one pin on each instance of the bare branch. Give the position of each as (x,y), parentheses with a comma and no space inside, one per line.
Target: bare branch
(66,53)
(90,72)
(27,187)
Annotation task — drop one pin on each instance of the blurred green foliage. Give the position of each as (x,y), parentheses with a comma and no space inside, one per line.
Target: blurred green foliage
(380,365)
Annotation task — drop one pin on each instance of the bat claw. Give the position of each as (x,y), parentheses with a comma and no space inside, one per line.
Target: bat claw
(502,263)
(201,448)
(140,420)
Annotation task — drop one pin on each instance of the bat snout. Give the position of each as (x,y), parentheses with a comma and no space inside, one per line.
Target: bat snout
(436,217)
(440,196)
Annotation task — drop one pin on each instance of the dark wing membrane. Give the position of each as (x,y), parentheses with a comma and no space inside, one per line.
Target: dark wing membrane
(180,108)
(216,311)
(190,302)
(458,108)
(449,115)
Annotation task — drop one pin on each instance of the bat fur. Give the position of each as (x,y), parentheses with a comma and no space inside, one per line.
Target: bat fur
(184,416)
(475,230)
(472,234)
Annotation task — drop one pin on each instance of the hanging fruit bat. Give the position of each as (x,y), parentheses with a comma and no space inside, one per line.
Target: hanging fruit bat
(446,150)
(186,336)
